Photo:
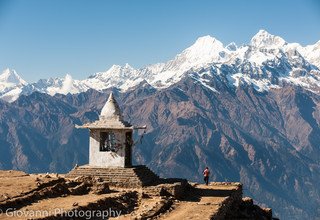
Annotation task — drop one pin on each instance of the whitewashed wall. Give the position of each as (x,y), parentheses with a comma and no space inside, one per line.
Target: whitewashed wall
(106,159)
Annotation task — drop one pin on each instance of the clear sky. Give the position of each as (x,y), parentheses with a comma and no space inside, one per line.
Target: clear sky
(43,38)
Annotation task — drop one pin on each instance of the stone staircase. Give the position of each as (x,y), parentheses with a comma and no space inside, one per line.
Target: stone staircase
(136,176)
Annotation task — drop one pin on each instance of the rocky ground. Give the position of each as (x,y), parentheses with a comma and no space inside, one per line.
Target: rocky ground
(51,196)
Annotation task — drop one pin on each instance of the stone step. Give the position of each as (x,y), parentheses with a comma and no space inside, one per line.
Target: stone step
(109,174)
(115,174)
(101,172)
(118,176)
(112,179)
(118,179)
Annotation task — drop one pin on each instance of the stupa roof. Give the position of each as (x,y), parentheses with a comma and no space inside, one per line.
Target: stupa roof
(110,117)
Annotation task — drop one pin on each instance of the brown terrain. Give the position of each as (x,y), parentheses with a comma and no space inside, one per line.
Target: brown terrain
(52,196)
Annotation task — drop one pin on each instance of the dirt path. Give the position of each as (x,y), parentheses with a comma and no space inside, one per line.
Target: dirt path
(201,204)
(147,207)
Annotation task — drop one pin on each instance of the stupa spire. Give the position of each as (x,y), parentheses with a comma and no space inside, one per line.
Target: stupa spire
(111,110)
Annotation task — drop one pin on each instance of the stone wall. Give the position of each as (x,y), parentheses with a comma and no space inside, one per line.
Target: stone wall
(230,204)
(236,207)
(175,189)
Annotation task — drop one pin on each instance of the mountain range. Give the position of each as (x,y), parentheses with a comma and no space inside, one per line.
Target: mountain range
(250,113)
(253,64)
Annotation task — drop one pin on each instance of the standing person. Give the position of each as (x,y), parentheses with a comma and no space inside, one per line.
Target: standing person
(206,174)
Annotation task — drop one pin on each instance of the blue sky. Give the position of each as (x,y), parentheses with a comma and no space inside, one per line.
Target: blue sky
(43,38)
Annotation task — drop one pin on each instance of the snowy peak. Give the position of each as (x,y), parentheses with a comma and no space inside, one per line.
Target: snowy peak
(11,85)
(265,40)
(115,70)
(122,77)
(206,46)
(205,42)
(205,50)
(11,76)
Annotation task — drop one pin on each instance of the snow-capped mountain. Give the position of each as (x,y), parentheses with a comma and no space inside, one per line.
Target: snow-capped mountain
(11,77)
(268,61)
(11,85)
(265,40)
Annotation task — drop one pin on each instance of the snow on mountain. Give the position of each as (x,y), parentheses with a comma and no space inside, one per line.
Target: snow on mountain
(203,52)
(311,53)
(265,40)
(65,86)
(268,61)
(122,77)
(11,85)
(11,77)
(52,86)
